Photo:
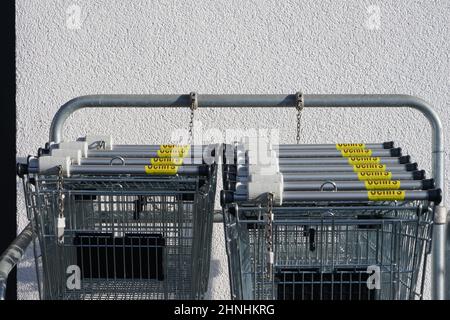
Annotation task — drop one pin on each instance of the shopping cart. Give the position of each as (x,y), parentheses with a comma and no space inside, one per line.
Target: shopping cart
(319,236)
(121,221)
(125,236)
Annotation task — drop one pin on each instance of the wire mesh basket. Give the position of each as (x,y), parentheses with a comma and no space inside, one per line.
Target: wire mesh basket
(329,253)
(125,236)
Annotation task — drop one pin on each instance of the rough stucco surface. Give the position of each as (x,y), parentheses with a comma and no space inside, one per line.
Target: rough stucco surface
(229,47)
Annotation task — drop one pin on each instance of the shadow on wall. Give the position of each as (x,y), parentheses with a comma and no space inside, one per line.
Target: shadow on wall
(215,268)
(216,273)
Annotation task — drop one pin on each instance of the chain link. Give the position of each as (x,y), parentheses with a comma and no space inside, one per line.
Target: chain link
(59,187)
(194,106)
(269,234)
(300,105)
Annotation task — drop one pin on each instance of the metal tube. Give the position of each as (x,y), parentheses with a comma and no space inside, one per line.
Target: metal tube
(336,153)
(12,255)
(141,154)
(183,170)
(136,161)
(319,162)
(137,170)
(243,169)
(341,160)
(347,176)
(155,147)
(349,185)
(310,101)
(384,145)
(310,196)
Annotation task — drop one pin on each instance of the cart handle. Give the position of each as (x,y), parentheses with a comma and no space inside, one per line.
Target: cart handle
(12,255)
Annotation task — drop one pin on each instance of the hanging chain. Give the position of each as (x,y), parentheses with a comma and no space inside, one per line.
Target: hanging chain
(61,219)
(300,105)
(59,187)
(269,235)
(194,106)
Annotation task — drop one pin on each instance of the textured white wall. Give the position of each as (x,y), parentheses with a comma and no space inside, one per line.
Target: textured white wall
(230,47)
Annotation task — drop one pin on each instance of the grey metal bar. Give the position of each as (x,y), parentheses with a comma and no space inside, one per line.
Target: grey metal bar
(140,153)
(320,163)
(349,185)
(12,255)
(130,169)
(243,169)
(335,153)
(346,176)
(155,147)
(333,146)
(310,101)
(276,147)
(311,196)
(136,161)
(341,160)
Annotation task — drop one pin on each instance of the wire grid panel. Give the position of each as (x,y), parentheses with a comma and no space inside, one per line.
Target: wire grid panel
(329,253)
(125,238)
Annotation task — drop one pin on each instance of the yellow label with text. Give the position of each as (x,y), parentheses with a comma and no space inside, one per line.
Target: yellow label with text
(382,184)
(161,169)
(363,160)
(384,175)
(172,153)
(172,161)
(174,149)
(174,146)
(369,167)
(386,195)
(342,146)
(356,152)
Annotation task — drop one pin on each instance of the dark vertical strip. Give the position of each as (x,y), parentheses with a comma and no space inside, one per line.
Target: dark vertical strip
(8,136)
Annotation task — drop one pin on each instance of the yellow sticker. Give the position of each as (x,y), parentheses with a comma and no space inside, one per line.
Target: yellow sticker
(386,195)
(172,153)
(364,160)
(161,169)
(172,161)
(382,184)
(356,152)
(342,146)
(386,175)
(369,167)
(174,146)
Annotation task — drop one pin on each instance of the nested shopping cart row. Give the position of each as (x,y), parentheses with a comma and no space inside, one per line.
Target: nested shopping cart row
(336,228)
(135,222)
(126,231)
